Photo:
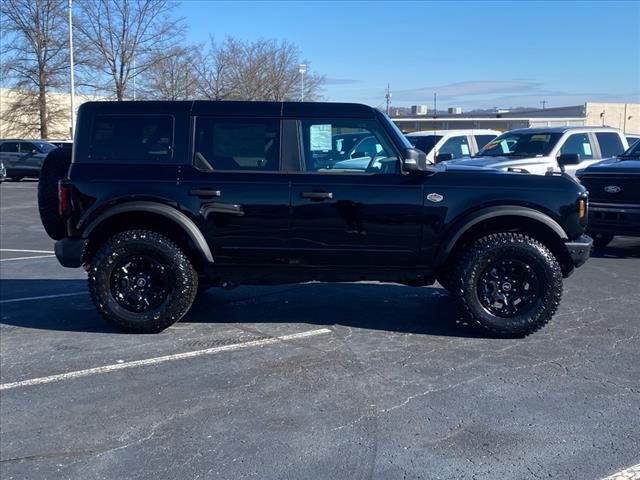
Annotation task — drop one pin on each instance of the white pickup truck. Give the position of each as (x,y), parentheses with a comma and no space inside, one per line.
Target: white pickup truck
(444,145)
(537,150)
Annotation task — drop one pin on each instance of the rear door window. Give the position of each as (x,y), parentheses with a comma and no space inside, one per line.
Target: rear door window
(578,143)
(239,144)
(610,144)
(482,140)
(28,147)
(132,139)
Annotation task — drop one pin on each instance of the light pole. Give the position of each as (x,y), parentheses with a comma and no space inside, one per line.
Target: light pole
(302,69)
(73,88)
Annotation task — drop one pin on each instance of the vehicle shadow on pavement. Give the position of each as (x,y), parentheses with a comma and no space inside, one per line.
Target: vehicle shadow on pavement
(388,307)
(377,306)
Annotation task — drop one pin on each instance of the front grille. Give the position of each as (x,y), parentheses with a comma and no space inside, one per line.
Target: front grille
(629,186)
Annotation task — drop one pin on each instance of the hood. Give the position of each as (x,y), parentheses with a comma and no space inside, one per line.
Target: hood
(456,166)
(614,165)
(491,162)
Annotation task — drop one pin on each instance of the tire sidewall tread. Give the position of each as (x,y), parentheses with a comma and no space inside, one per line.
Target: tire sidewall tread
(183,281)
(470,265)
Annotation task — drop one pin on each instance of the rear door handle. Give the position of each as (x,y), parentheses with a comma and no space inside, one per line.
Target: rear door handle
(204,192)
(316,195)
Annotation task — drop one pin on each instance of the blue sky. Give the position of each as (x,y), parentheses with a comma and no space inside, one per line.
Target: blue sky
(473,54)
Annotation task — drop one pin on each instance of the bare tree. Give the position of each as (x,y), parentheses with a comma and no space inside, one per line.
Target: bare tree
(170,77)
(126,38)
(34,61)
(258,70)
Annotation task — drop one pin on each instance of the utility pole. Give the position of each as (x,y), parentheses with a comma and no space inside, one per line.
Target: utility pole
(73,100)
(302,69)
(387,96)
(544,104)
(435,104)
(134,77)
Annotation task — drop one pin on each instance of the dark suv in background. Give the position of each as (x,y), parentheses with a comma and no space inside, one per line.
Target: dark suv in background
(614,186)
(163,199)
(23,158)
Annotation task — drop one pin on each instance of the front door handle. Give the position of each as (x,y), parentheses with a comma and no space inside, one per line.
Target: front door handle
(316,195)
(204,192)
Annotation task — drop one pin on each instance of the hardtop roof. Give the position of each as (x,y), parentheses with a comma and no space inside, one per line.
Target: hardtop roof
(237,108)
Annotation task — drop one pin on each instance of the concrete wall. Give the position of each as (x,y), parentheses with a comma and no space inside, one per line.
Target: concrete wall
(625,116)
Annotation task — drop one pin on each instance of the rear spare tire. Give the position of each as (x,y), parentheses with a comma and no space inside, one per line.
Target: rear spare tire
(54,168)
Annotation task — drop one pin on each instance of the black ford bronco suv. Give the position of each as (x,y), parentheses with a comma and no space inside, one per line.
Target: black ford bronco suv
(163,199)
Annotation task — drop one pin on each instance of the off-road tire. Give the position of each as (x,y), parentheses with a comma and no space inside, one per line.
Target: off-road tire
(600,241)
(182,281)
(54,168)
(495,248)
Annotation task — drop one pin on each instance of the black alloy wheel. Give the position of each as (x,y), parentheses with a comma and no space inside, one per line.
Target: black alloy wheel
(508,287)
(139,283)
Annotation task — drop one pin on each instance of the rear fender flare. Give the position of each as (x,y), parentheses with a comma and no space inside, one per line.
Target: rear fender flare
(176,216)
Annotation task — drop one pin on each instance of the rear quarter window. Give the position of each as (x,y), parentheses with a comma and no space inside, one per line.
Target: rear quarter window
(131,139)
(610,144)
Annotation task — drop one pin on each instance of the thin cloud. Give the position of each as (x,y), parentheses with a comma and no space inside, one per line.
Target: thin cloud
(340,81)
(470,88)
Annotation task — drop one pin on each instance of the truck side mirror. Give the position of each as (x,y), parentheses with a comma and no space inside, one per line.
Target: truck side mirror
(413,160)
(568,159)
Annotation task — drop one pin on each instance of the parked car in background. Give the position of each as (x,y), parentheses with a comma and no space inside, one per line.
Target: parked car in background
(542,149)
(614,190)
(3,172)
(632,139)
(23,158)
(443,145)
(61,143)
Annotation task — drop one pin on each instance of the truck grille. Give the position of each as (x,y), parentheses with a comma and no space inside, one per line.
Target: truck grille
(629,188)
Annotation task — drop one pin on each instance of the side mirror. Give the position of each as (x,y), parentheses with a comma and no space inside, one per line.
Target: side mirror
(413,160)
(444,157)
(568,159)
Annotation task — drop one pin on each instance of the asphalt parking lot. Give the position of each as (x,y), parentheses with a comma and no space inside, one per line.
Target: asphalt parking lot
(311,381)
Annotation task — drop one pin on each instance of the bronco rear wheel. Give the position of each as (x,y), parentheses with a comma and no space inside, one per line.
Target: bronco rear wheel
(141,282)
(509,284)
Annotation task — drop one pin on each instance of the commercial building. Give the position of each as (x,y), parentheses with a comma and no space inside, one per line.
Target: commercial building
(625,116)
(19,115)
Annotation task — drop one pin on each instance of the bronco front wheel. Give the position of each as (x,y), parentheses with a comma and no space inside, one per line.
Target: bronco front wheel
(510,284)
(141,282)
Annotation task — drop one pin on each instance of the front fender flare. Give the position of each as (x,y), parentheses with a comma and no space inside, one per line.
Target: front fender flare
(468,221)
(166,211)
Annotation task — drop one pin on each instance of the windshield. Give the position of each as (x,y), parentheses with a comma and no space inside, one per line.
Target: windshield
(632,152)
(521,144)
(424,142)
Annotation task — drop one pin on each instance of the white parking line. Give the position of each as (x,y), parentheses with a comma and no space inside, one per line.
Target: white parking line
(42,297)
(631,473)
(166,358)
(24,251)
(26,258)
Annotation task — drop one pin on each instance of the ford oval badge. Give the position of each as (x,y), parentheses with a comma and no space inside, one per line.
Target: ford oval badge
(435,197)
(612,189)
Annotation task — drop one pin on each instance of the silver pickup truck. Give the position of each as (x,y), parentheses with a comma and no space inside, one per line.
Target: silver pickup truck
(537,150)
